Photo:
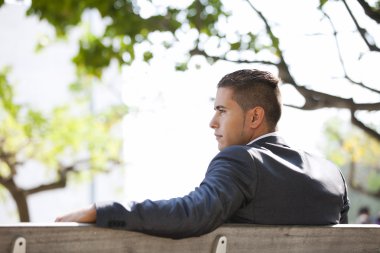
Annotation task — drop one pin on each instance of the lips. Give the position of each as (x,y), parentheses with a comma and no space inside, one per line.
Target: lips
(218,136)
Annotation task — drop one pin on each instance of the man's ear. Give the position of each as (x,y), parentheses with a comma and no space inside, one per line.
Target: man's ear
(256,116)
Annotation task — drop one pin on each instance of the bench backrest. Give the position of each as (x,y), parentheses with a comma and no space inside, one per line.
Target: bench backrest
(73,237)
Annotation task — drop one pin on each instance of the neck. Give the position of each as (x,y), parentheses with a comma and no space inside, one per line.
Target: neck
(260,131)
(260,137)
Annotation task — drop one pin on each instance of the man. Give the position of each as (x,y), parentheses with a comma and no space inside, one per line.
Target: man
(256,178)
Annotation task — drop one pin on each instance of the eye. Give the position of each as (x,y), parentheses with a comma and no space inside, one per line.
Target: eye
(221,111)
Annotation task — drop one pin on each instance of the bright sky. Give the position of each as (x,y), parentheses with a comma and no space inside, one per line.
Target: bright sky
(168,143)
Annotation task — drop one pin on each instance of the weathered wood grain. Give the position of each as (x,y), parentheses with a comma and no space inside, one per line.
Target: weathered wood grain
(73,237)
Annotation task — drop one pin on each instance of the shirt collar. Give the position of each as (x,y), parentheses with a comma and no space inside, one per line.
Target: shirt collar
(263,136)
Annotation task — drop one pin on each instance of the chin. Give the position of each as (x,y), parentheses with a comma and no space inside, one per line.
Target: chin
(220,147)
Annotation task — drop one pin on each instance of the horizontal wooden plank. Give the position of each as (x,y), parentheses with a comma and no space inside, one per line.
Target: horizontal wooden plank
(73,237)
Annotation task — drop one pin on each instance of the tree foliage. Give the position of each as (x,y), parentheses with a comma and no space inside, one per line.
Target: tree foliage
(68,139)
(128,25)
(358,153)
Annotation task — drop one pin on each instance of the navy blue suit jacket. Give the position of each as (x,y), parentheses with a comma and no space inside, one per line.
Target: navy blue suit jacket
(266,182)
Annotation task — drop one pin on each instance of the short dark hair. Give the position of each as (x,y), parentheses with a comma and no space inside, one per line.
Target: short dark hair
(253,88)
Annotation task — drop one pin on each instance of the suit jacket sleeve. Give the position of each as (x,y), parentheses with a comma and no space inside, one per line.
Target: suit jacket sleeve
(227,185)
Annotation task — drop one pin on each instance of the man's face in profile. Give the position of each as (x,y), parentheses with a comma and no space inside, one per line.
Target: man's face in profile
(229,121)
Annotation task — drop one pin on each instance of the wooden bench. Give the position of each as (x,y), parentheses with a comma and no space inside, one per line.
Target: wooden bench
(74,237)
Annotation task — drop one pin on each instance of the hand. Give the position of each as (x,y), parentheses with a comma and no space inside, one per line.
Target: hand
(86,215)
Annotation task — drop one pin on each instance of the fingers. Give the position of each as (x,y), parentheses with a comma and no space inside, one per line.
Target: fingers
(87,215)
(67,218)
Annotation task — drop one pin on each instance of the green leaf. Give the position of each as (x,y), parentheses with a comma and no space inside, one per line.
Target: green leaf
(181,66)
(6,94)
(148,56)
(321,3)
(235,46)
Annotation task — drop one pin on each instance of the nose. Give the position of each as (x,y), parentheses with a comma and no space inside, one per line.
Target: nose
(213,123)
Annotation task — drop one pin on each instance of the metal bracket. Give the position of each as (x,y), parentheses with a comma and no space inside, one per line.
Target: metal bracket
(19,245)
(220,244)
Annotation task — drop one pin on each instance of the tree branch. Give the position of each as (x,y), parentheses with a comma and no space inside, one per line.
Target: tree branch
(369,11)
(371,132)
(318,100)
(346,76)
(61,181)
(3,180)
(363,32)
(197,51)
(283,70)
(10,160)
(62,176)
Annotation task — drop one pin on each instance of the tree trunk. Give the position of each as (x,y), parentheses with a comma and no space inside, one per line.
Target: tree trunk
(19,197)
